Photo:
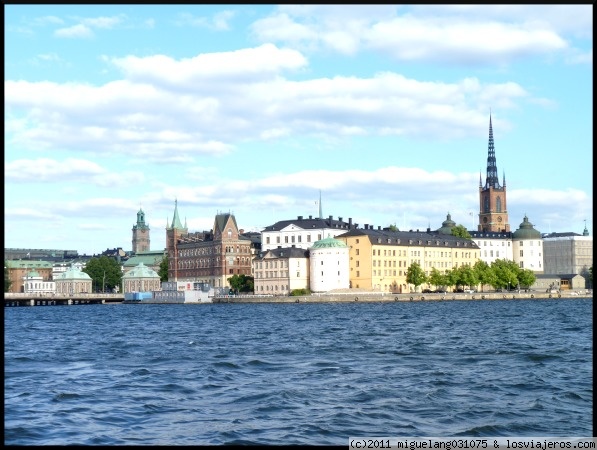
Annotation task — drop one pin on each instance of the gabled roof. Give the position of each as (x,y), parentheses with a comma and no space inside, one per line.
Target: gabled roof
(221,220)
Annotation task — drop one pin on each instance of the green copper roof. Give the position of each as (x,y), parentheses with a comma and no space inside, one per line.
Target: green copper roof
(141,271)
(526,231)
(176,220)
(328,243)
(447,225)
(73,274)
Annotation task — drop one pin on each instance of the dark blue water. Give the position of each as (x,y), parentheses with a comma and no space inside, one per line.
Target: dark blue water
(296,373)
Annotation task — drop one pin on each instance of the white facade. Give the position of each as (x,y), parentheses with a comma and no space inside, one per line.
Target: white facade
(528,254)
(33,283)
(301,232)
(493,246)
(329,265)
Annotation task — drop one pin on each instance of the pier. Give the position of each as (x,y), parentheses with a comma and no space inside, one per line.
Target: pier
(44,299)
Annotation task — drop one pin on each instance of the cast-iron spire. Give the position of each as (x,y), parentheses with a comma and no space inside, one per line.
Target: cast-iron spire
(492,175)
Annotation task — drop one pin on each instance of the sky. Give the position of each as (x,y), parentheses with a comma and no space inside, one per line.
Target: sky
(259,110)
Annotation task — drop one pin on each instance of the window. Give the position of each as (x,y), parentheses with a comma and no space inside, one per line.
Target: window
(521,254)
(357,252)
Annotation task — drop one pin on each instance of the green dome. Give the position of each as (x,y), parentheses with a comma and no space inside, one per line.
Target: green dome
(141,271)
(447,225)
(329,242)
(73,274)
(526,231)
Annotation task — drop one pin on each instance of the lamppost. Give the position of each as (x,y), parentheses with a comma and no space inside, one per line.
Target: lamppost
(508,285)
(104,282)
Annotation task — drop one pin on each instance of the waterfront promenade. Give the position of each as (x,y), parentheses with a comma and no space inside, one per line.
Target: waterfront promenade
(347,295)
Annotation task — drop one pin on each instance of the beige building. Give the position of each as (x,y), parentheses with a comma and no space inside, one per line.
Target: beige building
(141,279)
(379,259)
(73,281)
(279,271)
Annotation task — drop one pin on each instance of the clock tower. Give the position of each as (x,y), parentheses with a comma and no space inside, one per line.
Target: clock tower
(493,210)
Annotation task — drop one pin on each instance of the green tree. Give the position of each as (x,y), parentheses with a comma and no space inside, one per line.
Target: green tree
(163,270)
(7,282)
(393,228)
(461,231)
(506,273)
(526,278)
(299,292)
(436,278)
(484,274)
(241,283)
(105,273)
(415,275)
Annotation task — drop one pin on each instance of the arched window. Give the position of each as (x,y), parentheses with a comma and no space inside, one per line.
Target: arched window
(498,204)
(486,204)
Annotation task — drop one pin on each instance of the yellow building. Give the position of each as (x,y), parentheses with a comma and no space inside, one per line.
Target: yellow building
(379,259)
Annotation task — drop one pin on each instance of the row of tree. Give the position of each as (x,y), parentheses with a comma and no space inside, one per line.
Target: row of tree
(501,274)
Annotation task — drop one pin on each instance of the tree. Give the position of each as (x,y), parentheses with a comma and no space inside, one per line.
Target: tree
(415,275)
(461,231)
(526,278)
(393,228)
(484,274)
(241,283)
(105,273)
(506,273)
(163,270)
(437,278)
(7,282)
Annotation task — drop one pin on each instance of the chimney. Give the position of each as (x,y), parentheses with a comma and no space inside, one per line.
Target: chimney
(340,219)
(331,218)
(366,226)
(350,222)
(379,227)
(310,217)
(300,217)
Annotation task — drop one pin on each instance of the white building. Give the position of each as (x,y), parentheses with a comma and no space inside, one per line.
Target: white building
(527,247)
(33,283)
(329,265)
(302,232)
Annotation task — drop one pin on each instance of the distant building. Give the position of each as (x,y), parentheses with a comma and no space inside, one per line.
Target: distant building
(33,283)
(18,270)
(141,234)
(39,253)
(73,281)
(151,259)
(279,271)
(208,256)
(568,253)
(493,211)
(527,247)
(329,265)
(141,279)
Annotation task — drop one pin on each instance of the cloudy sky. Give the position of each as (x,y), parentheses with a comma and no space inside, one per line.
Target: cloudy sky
(256,109)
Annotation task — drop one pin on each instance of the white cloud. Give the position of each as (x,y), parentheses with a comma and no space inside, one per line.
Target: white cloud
(75,31)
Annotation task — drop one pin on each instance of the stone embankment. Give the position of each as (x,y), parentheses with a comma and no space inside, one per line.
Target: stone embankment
(360,296)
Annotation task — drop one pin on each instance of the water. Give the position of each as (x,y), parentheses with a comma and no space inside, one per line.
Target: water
(296,373)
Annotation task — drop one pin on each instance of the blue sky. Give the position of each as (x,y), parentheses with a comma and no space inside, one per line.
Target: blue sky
(255,109)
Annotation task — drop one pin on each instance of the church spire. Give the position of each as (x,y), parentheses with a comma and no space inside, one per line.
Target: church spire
(492,176)
(175,220)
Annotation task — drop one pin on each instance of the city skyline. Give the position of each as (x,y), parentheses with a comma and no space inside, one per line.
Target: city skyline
(256,109)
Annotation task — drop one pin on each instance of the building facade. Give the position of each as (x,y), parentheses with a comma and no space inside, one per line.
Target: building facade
(18,270)
(208,256)
(141,234)
(379,259)
(493,208)
(141,279)
(329,268)
(302,232)
(73,281)
(527,247)
(568,253)
(279,271)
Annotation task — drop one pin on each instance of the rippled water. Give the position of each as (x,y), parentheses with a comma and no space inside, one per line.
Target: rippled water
(296,373)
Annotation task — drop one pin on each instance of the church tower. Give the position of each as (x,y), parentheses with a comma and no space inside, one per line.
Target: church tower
(173,233)
(493,211)
(140,234)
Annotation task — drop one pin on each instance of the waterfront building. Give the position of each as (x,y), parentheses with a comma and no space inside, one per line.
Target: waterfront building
(207,256)
(140,230)
(302,232)
(151,259)
(18,270)
(329,268)
(39,253)
(279,271)
(33,283)
(568,253)
(73,281)
(379,259)
(141,279)
(493,211)
(527,247)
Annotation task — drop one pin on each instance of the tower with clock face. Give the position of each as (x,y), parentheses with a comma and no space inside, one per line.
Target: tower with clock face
(493,212)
